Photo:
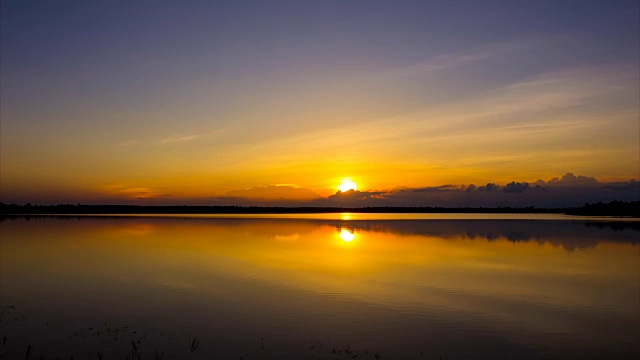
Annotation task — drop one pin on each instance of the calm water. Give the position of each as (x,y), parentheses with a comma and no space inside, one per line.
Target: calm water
(455,286)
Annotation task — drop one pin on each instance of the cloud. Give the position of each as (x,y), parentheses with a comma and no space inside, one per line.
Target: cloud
(354,196)
(569,190)
(573,181)
(437,63)
(177,139)
(516,187)
(132,193)
(488,187)
(565,191)
(127,143)
(455,60)
(186,137)
(280,192)
(441,188)
(542,120)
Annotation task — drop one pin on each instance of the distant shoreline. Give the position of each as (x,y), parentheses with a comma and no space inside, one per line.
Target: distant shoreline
(615,208)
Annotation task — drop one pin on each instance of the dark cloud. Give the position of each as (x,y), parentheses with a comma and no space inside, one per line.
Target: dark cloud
(489,187)
(353,198)
(632,185)
(441,188)
(516,187)
(569,190)
(571,180)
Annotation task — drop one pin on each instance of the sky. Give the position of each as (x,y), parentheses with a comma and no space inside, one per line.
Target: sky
(417,103)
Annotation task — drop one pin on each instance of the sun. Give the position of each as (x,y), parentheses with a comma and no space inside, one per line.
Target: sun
(346,184)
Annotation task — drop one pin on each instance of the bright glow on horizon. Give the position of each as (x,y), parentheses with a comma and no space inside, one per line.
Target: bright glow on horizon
(346,184)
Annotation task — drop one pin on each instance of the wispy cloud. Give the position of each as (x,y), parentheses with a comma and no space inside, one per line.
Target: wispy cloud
(127,143)
(436,63)
(442,62)
(540,111)
(171,139)
(180,138)
(128,192)
(279,192)
(187,137)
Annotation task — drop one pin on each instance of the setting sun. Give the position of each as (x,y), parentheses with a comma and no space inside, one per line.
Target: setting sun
(346,184)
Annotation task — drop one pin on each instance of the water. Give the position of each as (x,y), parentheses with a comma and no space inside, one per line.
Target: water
(301,287)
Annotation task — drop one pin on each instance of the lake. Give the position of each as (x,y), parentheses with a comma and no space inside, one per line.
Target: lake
(320,286)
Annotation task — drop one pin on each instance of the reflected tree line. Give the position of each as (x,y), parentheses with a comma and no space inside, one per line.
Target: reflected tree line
(570,235)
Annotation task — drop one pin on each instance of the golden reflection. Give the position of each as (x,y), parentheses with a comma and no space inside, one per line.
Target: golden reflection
(403,264)
(346,216)
(347,235)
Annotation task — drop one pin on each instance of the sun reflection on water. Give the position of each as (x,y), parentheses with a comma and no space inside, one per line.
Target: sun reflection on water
(347,235)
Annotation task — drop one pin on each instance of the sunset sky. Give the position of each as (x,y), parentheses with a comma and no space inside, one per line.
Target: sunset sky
(270,102)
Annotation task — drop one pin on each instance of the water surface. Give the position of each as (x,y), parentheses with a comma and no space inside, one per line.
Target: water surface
(274,287)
